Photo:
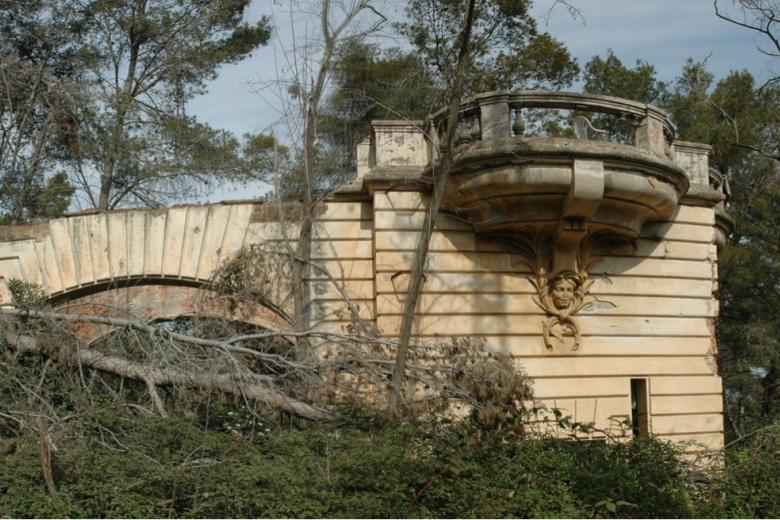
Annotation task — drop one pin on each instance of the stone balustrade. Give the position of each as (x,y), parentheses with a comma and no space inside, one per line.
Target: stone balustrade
(496,116)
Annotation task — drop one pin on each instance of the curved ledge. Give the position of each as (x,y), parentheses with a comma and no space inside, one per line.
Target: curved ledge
(517,184)
(524,149)
(724,226)
(703,196)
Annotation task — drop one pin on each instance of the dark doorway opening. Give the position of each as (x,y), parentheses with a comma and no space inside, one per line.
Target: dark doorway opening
(640,416)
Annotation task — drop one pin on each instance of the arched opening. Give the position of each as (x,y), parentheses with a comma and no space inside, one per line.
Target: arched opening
(148,303)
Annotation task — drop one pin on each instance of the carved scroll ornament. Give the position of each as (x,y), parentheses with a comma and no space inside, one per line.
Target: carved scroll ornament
(560,297)
(560,277)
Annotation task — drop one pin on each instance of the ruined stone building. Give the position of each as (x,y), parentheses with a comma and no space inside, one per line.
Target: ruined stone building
(590,256)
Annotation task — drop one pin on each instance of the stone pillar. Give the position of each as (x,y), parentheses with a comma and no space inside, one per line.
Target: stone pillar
(694,159)
(650,135)
(363,157)
(494,120)
(399,143)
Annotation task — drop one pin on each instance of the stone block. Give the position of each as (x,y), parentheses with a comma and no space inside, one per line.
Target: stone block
(686,404)
(448,262)
(694,159)
(345,211)
(329,290)
(136,242)
(342,249)
(676,386)
(440,241)
(116,232)
(399,143)
(697,441)
(400,200)
(195,227)
(531,346)
(686,424)
(402,220)
(679,231)
(694,215)
(342,270)
(574,387)
(99,241)
(174,240)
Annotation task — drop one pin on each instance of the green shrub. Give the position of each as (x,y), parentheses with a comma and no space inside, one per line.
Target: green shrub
(749,486)
(217,458)
(131,466)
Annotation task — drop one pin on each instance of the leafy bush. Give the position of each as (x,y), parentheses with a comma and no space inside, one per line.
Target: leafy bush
(218,457)
(749,486)
(116,464)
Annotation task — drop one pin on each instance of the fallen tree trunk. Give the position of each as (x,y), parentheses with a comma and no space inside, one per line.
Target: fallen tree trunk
(229,383)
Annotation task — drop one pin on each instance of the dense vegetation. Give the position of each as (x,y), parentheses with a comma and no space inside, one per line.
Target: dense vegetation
(215,457)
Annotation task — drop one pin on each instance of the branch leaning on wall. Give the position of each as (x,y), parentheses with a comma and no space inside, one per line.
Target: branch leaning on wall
(241,383)
(441,179)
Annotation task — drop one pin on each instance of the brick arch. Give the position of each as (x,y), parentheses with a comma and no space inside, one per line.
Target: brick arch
(163,302)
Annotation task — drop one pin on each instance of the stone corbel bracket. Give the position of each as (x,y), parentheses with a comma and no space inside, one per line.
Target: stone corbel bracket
(565,294)
(582,201)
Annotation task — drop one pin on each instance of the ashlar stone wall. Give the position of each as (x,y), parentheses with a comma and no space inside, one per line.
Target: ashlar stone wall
(652,300)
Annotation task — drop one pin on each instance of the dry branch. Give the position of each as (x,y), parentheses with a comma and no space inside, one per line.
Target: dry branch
(249,387)
(439,188)
(349,369)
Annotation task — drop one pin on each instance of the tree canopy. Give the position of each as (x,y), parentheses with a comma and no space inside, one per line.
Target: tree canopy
(105,85)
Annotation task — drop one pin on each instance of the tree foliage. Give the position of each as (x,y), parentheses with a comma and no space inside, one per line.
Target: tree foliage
(144,60)
(97,89)
(370,83)
(38,96)
(508,50)
(608,76)
(373,83)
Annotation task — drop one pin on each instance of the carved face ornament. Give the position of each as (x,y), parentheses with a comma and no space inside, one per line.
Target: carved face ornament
(563,293)
(561,297)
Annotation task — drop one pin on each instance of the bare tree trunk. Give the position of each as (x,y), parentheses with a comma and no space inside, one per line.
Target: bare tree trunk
(124,103)
(46,456)
(330,37)
(439,188)
(303,249)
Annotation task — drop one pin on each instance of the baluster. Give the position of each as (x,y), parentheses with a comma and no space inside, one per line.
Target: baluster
(518,125)
(464,135)
(474,133)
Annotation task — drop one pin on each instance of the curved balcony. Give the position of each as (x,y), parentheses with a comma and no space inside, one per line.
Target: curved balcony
(507,179)
(724,222)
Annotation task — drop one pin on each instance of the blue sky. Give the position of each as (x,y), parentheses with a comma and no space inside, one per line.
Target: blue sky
(663,32)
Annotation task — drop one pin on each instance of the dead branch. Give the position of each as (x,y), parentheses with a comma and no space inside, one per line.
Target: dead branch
(253,388)
(224,345)
(349,368)
(763,18)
